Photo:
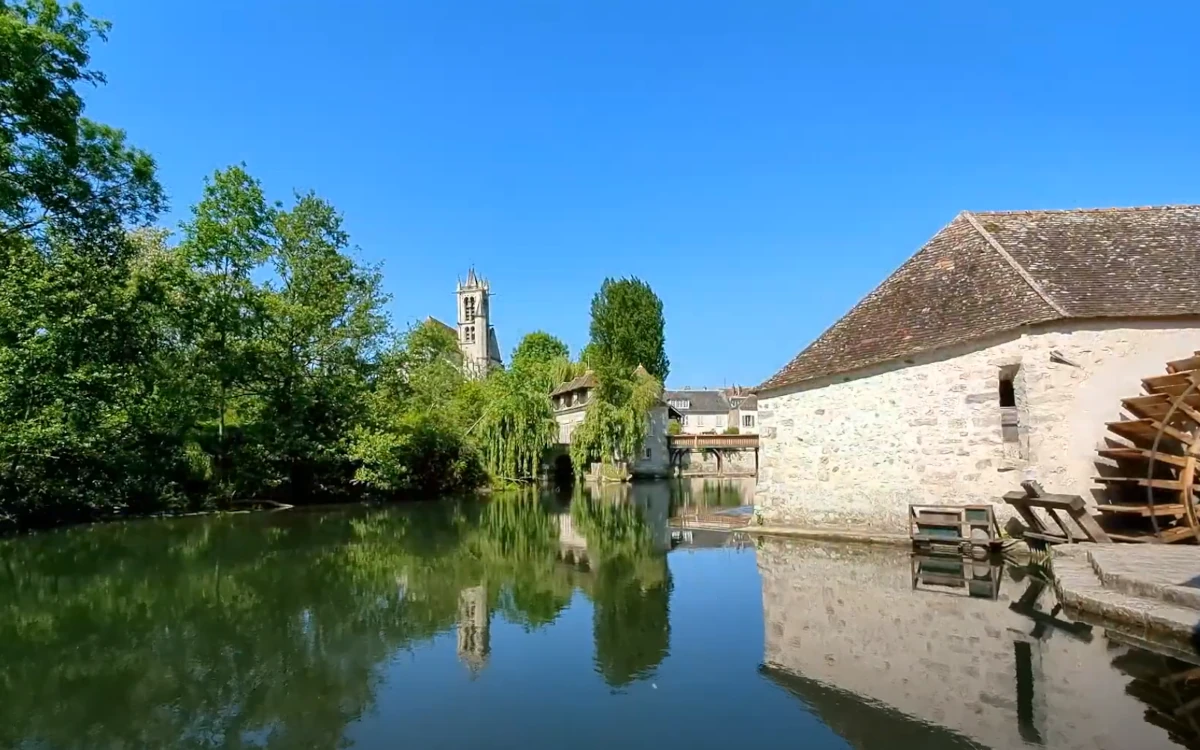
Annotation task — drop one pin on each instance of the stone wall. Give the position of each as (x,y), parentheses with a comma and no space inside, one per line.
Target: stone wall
(848,617)
(854,451)
(655,460)
(568,420)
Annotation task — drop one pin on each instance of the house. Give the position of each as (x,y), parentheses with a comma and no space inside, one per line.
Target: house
(570,401)
(700,411)
(743,413)
(475,334)
(996,353)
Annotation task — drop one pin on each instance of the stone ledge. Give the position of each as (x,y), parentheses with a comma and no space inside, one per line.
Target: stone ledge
(1081,588)
(830,535)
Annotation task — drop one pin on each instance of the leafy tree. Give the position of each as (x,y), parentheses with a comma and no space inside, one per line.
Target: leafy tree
(517,424)
(617,420)
(60,172)
(323,327)
(538,349)
(228,238)
(413,437)
(627,329)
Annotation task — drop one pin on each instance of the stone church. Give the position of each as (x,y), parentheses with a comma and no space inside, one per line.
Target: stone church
(995,354)
(475,333)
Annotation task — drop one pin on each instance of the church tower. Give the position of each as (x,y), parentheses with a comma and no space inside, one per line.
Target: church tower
(476,337)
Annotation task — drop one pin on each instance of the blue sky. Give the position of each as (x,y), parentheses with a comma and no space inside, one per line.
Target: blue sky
(762,165)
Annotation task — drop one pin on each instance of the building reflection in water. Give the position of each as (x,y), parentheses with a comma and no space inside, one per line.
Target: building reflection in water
(474,629)
(894,652)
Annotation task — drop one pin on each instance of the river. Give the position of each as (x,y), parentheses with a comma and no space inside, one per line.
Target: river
(559,621)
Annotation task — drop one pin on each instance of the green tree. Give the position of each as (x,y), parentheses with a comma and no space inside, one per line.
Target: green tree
(538,349)
(60,172)
(627,329)
(617,420)
(323,327)
(229,237)
(78,435)
(413,437)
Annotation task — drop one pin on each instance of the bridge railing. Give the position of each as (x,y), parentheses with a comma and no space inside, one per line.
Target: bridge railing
(697,442)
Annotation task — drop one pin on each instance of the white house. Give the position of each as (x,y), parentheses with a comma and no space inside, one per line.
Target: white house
(700,411)
(996,353)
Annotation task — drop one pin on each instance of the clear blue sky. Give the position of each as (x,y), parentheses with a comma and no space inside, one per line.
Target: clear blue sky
(762,165)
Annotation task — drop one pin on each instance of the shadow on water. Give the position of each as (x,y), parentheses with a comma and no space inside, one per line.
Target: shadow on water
(270,629)
(899,651)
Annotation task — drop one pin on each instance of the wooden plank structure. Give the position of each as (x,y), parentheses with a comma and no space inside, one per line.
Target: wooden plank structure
(1068,513)
(1153,452)
(953,526)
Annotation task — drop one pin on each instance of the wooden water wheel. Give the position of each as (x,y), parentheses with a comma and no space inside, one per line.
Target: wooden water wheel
(1155,448)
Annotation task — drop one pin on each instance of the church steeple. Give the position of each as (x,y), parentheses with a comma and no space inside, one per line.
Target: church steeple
(476,338)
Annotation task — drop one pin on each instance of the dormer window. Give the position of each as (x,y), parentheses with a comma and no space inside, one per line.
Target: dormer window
(680,403)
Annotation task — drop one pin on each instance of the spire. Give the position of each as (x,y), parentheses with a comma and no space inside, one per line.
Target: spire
(471,280)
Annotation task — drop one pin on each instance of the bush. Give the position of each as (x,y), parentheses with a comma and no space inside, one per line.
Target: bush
(732,430)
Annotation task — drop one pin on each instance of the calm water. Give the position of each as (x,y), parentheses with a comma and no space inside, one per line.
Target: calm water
(546,623)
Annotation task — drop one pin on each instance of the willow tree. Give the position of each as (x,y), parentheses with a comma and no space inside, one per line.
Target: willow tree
(617,420)
(516,427)
(517,424)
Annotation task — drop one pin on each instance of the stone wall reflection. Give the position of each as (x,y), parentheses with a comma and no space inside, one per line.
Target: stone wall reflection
(849,618)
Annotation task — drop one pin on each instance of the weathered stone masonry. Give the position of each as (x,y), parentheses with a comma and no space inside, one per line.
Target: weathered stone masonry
(853,450)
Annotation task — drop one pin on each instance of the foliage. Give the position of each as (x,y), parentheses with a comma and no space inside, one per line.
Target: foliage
(627,329)
(674,428)
(538,349)
(617,420)
(517,425)
(249,358)
(62,174)
(413,437)
(732,430)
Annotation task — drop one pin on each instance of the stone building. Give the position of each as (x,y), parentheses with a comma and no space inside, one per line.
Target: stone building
(475,333)
(995,354)
(570,401)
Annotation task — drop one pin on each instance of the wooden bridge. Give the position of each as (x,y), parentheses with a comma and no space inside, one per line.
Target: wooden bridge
(731,454)
(700,442)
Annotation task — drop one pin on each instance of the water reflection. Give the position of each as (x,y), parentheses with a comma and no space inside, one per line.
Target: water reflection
(896,652)
(270,629)
(709,502)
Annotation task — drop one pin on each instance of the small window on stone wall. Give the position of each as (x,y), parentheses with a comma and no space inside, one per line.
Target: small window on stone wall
(1010,422)
(1008,394)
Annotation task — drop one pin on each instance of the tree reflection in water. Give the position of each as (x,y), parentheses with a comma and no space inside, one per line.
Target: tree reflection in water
(270,630)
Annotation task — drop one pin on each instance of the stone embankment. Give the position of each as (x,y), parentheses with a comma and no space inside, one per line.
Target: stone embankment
(1151,592)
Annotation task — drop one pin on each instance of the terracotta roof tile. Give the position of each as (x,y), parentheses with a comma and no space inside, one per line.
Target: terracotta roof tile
(987,273)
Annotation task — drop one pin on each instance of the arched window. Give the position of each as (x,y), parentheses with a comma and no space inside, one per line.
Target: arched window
(469,309)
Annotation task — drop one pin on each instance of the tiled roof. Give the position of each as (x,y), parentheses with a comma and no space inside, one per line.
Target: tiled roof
(706,402)
(987,273)
(435,321)
(586,380)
